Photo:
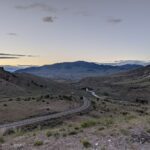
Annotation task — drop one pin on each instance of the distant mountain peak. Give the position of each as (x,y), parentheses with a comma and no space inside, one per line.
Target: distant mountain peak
(76,70)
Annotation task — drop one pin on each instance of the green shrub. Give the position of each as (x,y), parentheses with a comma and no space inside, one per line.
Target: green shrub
(148,130)
(49,133)
(5,105)
(86,144)
(76,128)
(72,133)
(38,143)
(101,128)
(56,135)
(88,123)
(2,140)
(64,134)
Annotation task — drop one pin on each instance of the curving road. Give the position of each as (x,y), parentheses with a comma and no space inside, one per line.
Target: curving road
(85,106)
(92,93)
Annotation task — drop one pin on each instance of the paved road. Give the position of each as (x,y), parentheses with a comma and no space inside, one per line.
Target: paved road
(85,106)
(92,93)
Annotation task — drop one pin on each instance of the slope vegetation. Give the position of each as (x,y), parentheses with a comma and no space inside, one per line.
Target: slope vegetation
(131,86)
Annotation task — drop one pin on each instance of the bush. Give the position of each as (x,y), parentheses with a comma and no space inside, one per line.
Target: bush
(88,123)
(86,144)
(76,128)
(101,128)
(5,105)
(38,143)
(56,135)
(49,133)
(46,96)
(2,140)
(72,133)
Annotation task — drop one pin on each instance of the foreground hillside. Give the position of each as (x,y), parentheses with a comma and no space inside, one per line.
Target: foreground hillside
(14,84)
(76,70)
(130,86)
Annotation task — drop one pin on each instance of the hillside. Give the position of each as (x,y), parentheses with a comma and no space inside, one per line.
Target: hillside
(14,84)
(76,70)
(130,86)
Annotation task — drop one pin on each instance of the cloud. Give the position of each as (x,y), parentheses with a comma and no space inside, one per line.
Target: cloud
(13,56)
(49,19)
(82,13)
(38,6)
(6,54)
(9,57)
(115,20)
(12,34)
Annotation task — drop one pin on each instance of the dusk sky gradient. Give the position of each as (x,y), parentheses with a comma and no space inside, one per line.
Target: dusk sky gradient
(37,32)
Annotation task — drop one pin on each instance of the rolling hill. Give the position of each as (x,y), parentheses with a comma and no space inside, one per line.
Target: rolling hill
(14,84)
(130,86)
(76,70)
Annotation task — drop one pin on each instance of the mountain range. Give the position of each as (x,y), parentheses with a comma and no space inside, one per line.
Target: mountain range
(76,70)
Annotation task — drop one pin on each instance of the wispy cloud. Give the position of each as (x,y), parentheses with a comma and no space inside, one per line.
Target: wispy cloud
(13,56)
(82,13)
(12,34)
(38,6)
(9,57)
(114,20)
(49,19)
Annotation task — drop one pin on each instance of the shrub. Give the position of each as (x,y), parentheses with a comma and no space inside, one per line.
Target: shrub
(5,105)
(64,134)
(49,133)
(101,128)
(46,96)
(72,133)
(86,144)
(76,128)
(38,143)
(2,140)
(148,130)
(88,123)
(56,135)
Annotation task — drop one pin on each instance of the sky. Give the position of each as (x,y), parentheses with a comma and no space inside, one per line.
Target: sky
(38,32)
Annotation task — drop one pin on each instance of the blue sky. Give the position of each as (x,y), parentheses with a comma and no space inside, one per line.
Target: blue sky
(49,31)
